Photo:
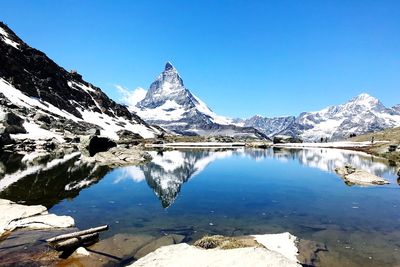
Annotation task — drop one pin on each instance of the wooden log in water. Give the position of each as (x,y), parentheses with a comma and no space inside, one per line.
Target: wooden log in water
(78,234)
(75,242)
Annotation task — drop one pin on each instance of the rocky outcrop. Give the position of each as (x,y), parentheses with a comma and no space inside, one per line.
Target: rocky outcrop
(13,216)
(353,176)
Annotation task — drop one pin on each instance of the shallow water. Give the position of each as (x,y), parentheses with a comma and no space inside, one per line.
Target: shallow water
(243,191)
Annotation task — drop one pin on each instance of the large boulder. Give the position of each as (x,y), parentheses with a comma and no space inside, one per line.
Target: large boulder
(94,144)
(12,123)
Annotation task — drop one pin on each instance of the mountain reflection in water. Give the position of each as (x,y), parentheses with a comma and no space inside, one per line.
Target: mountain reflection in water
(62,177)
(168,170)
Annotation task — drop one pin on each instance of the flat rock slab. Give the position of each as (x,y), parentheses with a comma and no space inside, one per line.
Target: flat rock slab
(13,216)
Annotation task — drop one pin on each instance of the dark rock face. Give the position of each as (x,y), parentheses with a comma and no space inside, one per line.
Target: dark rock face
(126,136)
(13,123)
(99,144)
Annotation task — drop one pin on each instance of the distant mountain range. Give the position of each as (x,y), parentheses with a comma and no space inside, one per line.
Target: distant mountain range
(360,115)
(170,104)
(52,102)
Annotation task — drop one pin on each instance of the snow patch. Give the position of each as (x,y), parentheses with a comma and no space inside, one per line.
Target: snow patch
(5,37)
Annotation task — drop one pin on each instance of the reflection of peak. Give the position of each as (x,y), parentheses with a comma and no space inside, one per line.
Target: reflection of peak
(168,171)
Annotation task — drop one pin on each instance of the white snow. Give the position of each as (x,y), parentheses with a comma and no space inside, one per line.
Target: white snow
(169,111)
(36,133)
(340,144)
(110,127)
(5,37)
(202,107)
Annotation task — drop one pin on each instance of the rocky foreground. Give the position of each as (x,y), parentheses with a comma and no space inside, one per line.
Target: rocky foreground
(14,216)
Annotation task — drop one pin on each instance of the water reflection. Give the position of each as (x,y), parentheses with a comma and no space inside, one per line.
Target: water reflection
(57,177)
(169,170)
(47,179)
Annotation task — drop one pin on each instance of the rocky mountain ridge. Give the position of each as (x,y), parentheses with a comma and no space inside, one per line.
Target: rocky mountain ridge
(52,102)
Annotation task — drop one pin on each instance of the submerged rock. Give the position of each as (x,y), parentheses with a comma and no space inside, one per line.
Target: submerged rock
(353,176)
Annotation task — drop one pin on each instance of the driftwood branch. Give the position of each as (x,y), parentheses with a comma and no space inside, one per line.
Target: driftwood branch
(78,234)
(75,242)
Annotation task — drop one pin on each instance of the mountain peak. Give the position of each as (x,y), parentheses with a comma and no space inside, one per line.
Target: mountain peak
(169,66)
(365,99)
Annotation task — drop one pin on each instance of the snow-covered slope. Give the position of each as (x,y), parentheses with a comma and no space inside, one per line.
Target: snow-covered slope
(361,114)
(170,104)
(31,83)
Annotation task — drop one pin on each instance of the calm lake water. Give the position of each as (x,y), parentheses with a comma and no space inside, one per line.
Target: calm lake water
(233,192)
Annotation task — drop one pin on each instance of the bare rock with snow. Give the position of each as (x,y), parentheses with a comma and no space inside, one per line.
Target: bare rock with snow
(353,176)
(13,216)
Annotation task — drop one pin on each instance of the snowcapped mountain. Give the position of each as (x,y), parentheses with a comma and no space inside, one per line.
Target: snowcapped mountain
(54,102)
(361,114)
(168,103)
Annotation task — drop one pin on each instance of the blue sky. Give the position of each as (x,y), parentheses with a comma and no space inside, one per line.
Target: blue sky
(240,57)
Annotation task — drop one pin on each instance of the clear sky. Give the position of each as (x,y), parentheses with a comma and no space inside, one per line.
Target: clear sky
(240,57)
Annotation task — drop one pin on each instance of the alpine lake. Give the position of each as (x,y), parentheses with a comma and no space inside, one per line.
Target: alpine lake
(231,192)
